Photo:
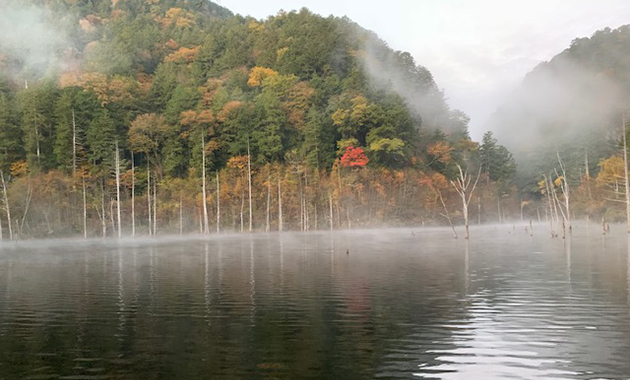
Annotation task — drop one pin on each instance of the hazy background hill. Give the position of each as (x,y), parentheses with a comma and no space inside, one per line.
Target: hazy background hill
(573,103)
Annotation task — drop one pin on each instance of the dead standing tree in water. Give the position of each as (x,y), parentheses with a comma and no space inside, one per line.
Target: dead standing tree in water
(564,187)
(465,187)
(625,171)
(7,208)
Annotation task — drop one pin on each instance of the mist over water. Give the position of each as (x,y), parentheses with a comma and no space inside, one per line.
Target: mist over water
(391,303)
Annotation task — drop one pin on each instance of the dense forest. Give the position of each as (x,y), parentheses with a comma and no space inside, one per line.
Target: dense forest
(167,116)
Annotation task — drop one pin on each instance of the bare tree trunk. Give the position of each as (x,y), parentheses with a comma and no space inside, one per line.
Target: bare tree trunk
(133,196)
(29,196)
(241,213)
(200,222)
(84,211)
(462,185)
(74,145)
(181,216)
(330,206)
(499,208)
(37,142)
(206,224)
(103,222)
(118,191)
(155,202)
(625,171)
(7,207)
(279,204)
(267,227)
(218,204)
(249,176)
(553,212)
(150,204)
(564,186)
(478,211)
(111,214)
(307,220)
(446,214)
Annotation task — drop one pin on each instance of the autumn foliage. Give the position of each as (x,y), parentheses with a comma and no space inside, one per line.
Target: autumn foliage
(354,158)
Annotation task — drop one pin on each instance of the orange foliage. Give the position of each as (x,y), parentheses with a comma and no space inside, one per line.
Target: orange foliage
(209,90)
(107,89)
(183,55)
(192,117)
(441,151)
(237,162)
(228,108)
(297,104)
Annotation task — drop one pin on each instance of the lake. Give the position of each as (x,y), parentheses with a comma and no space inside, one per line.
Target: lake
(371,304)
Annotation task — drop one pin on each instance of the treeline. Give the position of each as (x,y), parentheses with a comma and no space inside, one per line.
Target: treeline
(171,116)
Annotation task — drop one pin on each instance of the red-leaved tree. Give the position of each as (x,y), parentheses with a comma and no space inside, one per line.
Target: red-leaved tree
(354,157)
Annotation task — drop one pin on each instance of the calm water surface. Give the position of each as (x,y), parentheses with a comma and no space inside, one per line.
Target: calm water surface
(400,305)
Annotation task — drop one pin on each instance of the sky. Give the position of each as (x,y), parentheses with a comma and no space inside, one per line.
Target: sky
(478,50)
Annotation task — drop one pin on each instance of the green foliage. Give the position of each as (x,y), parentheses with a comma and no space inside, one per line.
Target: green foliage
(293,85)
(497,161)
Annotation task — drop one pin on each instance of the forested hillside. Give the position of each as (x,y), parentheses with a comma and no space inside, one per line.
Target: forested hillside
(575,106)
(140,116)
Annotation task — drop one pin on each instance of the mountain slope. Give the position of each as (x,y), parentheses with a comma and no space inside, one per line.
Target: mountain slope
(573,103)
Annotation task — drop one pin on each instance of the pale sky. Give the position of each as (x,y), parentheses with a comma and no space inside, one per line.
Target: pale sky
(477,50)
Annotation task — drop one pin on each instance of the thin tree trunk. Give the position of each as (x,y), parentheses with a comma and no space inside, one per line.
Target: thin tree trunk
(133,196)
(279,204)
(84,210)
(446,214)
(462,184)
(241,213)
(268,198)
(499,208)
(478,211)
(7,207)
(566,192)
(206,225)
(29,195)
(118,191)
(625,170)
(218,204)
(330,205)
(74,145)
(149,203)
(181,216)
(103,222)
(155,201)
(111,214)
(249,176)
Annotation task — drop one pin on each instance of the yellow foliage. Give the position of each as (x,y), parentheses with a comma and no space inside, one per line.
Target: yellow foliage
(19,168)
(340,116)
(611,170)
(359,109)
(256,27)
(258,75)
(177,17)
(281,52)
